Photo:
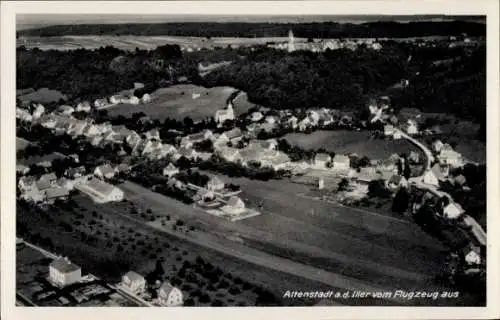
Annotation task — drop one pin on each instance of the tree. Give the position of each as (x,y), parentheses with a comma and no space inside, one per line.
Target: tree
(376,188)
(401,201)
(343,184)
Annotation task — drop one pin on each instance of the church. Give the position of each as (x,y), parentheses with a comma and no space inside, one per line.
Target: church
(222,115)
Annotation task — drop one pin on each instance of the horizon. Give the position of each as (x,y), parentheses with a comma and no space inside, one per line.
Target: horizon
(34,21)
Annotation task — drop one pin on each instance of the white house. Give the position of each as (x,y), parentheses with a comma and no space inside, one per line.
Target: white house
(104,171)
(472,254)
(453,210)
(228,153)
(83,107)
(170,170)
(56,192)
(62,272)
(450,157)
(146,98)
(23,115)
(132,100)
(388,130)
(430,178)
(292,122)
(341,161)
(215,184)
(437,145)
(133,282)
(256,116)
(224,114)
(153,134)
(66,110)
(234,206)
(321,160)
(100,191)
(412,128)
(117,99)
(170,296)
(304,124)
(38,112)
(270,119)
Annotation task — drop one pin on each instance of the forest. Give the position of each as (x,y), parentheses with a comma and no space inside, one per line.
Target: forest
(323,30)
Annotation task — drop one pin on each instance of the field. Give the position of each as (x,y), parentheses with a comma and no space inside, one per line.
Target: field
(132,42)
(43,95)
(177,102)
(21,144)
(110,239)
(345,142)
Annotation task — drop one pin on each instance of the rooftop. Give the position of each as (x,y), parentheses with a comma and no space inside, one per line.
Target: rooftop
(63,265)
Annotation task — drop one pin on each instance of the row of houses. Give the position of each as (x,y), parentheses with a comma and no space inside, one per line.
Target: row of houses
(168,295)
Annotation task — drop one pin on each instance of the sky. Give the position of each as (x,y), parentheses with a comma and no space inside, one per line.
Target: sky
(28,21)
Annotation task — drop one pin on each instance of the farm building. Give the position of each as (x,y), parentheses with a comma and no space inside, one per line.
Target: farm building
(341,161)
(170,170)
(224,114)
(453,210)
(234,206)
(101,191)
(321,160)
(83,107)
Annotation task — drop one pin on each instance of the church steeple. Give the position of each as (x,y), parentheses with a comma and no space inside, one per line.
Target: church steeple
(291,41)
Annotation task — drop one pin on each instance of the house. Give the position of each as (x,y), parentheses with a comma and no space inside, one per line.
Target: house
(269,144)
(187,153)
(397,135)
(453,210)
(460,180)
(133,282)
(412,128)
(22,169)
(83,107)
(440,171)
(66,183)
(215,184)
(100,191)
(430,178)
(414,157)
(48,122)
(449,156)
(100,103)
(313,116)
(292,122)
(224,114)
(153,134)
(77,128)
(170,170)
(367,174)
(270,119)
(169,296)
(389,130)
(91,130)
(195,95)
(62,272)
(228,153)
(234,206)
(23,115)
(204,195)
(66,110)
(104,171)
(234,135)
(471,254)
(75,173)
(96,141)
(341,161)
(256,116)
(304,124)
(146,98)
(321,160)
(27,183)
(117,99)
(38,112)
(50,178)
(132,100)
(397,181)
(54,193)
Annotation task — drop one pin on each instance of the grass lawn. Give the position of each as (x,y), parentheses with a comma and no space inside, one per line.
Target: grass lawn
(43,95)
(177,102)
(345,142)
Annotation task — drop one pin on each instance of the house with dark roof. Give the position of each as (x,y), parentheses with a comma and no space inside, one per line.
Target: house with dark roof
(54,193)
(170,296)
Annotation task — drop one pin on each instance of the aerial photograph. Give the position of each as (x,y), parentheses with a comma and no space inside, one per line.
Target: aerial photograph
(227,161)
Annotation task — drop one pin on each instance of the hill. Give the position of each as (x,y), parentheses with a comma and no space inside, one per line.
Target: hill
(250,30)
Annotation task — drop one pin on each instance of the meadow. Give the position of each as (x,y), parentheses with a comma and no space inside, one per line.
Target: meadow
(177,102)
(346,142)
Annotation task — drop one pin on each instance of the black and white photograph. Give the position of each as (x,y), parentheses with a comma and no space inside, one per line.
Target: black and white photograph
(167,160)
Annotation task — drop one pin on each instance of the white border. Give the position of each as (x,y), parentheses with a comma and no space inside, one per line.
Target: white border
(388,7)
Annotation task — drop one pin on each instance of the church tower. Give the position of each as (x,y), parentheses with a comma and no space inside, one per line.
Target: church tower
(291,41)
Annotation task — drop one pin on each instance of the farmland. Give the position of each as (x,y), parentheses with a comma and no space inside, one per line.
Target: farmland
(132,42)
(43,95)
(104,242)
(345,142)
(177,102)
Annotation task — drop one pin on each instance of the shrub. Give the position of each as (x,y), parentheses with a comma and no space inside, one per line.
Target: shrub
(234,291)
(204,298)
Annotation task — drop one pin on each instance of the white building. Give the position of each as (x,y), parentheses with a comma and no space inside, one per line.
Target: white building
(104,171)
(38,112)
(146,98)
(430,178)
(83,107)
(234,206)
(389,130)
(215,184)
(453,210)
(341,161)
(170,170)
(412,128)
(62,272)
(100,191)
(133,282)
(437,145)
(170,296)
(321,160)
(256,116)
(450,157)
(224,114)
